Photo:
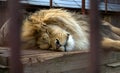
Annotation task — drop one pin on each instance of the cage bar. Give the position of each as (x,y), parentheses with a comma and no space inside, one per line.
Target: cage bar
(106,5)
(94,37)
(14,36)
(83,7)
(51,3)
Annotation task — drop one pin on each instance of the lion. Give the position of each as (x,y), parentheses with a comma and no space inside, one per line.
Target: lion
(62,30)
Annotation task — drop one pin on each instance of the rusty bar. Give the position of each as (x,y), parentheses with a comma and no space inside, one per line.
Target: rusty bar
(106,5)
(2,13)
(94,37)
(51,3)
(83,7)
(14,36)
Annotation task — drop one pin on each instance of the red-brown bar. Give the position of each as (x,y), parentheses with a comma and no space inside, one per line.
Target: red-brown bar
(83,7)
(106,1)
(14,35)
(94,37)
(51,3)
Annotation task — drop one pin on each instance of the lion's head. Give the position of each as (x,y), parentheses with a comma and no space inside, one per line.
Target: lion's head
(60,39)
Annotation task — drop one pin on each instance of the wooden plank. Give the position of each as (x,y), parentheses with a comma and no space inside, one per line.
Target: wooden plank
(4,56)
(66,63)
(115,64)
(41,61)
(3,67)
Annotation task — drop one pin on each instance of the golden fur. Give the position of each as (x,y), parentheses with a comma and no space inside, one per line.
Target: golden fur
(47,29)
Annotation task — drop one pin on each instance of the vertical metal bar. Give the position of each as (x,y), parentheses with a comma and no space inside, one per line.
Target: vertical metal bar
(2,10)
(14,36)
(83,7)
(51,3)
(106,5)
(94,37)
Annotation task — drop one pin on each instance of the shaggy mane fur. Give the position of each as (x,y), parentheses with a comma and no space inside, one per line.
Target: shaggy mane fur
(42,28)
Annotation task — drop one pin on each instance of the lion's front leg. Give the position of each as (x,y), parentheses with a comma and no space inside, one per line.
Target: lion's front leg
(110,44)
(113,28)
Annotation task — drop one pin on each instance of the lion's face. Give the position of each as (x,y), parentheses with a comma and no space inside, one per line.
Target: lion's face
(60,39)
(62,43)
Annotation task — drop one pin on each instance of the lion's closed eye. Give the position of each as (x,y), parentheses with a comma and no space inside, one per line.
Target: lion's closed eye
(57,43)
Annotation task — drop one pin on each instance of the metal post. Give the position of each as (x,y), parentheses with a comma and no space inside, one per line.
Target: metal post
(83,7)
(106,1)
(2,12)
(14,36)
(51,3)
(94,37)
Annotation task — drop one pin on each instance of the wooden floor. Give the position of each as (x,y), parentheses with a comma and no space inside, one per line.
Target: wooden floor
(41,61)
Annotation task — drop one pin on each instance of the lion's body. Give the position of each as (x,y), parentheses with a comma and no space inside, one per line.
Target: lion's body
(72,33)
